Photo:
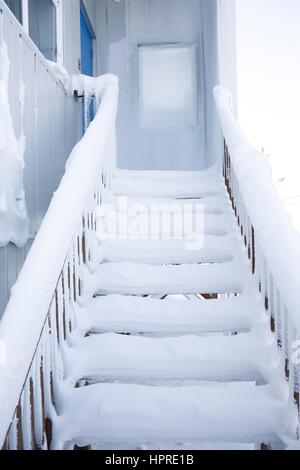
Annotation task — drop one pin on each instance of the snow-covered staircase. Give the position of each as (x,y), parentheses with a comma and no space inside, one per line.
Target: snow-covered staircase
(141,329)
(171,346)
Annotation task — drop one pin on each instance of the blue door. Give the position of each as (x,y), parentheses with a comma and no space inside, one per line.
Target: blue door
(86,52)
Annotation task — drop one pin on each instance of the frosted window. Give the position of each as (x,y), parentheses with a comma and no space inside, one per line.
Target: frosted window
(42,26)
(168,90)
(16,8)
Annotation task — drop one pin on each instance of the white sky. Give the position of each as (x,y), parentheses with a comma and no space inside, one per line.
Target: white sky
(268,33)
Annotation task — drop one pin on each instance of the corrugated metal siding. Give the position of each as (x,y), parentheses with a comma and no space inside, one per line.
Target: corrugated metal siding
(52,125)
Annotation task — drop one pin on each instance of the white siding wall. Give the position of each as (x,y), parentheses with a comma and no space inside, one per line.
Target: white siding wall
(49,138)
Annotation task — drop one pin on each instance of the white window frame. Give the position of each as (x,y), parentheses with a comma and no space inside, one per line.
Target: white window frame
(59,26)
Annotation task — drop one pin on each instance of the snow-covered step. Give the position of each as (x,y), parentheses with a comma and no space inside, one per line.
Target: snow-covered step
(138,413)
(212,249)
(121,225)
(167,184)
(144,279)
(163,176)
(121,358)
(175,446)
(129,314)
(217,204)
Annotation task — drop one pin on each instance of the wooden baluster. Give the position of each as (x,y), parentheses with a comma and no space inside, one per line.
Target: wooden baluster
(13,435)
(228,174)
(294,373)
(80,244)
(253,242)
(84,240)
(236,193)
(5,445)
(264,280)
(64,289)
(242,217)
(246,231)
(88,230)
(20,445)
(49,370)
(78,258)
(232,184)
(61,308)
(74,270)
(224,160)
(71,276)
(70,320)
(258,266)
(267,291)
(287,345)
(278,318)
(267,288)
(95,212)
(58,325)
(249,239)
(27,422)
(284,340)
(271,303)
(52,366)
(239,207)
(33,411)
(296,368)
(39,417)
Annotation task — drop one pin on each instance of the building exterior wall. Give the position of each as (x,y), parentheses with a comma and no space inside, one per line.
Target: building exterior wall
(147,22)
(52,125)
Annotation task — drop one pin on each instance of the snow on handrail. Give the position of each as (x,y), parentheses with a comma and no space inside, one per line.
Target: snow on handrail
(278,239)
(26,312)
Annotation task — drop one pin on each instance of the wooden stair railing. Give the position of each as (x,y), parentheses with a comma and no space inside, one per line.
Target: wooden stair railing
(276,270)
(39,318)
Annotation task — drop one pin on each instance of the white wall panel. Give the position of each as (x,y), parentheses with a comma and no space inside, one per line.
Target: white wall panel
(157,22)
